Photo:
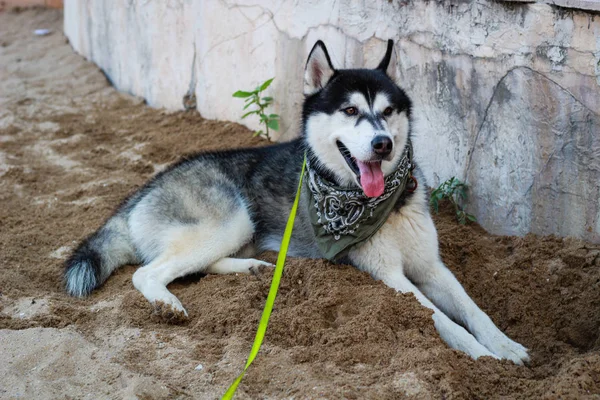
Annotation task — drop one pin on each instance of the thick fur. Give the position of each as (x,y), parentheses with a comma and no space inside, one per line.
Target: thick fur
(209,212)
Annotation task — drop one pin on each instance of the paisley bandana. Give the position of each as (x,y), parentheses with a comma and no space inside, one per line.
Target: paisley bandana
(342,218)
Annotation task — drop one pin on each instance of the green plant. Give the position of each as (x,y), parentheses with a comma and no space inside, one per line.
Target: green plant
(270,121)
(454,191)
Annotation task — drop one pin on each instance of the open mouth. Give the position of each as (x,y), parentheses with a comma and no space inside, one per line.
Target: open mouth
(351,161)
(369,173)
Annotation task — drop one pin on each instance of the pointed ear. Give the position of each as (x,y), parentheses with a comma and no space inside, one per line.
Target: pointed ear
(318,69)
(389,61)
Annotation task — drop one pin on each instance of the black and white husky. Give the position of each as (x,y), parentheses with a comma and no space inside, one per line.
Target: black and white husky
(360,205)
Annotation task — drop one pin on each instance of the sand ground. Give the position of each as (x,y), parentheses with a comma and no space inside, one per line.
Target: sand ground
(71,147)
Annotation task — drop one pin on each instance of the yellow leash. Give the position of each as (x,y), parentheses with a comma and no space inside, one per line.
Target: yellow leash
(264,319)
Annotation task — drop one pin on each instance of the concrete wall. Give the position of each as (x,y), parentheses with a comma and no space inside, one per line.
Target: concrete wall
(507,94)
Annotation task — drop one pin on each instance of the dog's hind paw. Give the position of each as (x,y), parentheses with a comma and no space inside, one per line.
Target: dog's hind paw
(260,267)
(169,313)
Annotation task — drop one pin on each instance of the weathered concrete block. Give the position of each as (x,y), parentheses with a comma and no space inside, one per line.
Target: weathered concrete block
(507,95)
(532,169)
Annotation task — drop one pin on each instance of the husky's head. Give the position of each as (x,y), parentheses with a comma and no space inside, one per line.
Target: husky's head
(355,121)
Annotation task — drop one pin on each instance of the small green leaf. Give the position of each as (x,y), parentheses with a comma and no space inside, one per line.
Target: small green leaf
(267,99)
(249,113)
(471,218)
(273,116)
(266,84)
(435,206)
(257,133)
(248,105)
(273,124)
(242,94)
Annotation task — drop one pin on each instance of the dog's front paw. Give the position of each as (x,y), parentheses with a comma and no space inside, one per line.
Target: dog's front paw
(459,338)
(508,349)
(505,348)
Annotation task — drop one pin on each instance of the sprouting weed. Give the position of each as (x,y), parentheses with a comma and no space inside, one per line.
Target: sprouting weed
(254,99)
(454,191)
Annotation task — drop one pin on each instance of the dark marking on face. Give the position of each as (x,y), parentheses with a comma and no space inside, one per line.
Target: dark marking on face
(372,119)
(345,82)
(375,121)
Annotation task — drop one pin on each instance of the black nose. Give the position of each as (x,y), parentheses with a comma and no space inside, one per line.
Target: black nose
(382,145)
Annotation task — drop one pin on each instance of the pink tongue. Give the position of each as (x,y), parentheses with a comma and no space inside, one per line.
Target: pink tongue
(371,178)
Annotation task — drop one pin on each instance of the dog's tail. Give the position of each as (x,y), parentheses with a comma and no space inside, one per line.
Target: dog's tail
(99,255)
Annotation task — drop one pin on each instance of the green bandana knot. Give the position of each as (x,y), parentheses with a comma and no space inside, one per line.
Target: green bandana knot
(342,218)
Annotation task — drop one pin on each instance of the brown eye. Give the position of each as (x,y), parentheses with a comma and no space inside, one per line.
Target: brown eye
(388,111)
(350,111)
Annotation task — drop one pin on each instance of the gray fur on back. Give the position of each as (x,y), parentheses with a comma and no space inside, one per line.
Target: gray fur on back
(204,190)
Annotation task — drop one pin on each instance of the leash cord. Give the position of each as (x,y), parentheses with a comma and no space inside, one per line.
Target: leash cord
(264,319)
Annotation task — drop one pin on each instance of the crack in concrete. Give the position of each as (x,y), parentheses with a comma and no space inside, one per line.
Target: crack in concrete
(484,119)
(189,99)
(491,101)
(254,29)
